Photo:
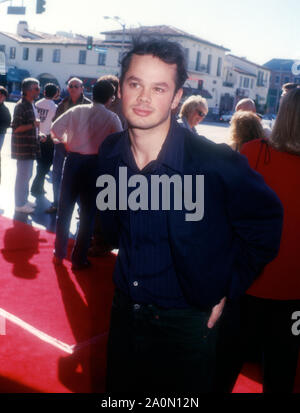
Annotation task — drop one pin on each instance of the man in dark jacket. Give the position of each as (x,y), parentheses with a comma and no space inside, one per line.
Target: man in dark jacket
(186,245)
(76,97)
(5,119)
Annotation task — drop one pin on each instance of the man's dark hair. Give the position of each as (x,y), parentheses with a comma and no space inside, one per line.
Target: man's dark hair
(3,91)
(114,80)
(27,83)
(165,50)
(50,90)
(103,90)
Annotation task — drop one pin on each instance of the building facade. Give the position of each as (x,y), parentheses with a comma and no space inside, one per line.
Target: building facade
(282,71)
(204,59)
(220,77)
(244,79)
(52,58)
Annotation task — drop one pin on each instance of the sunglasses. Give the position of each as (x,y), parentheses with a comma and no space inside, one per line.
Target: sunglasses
(200,113)
(74,86)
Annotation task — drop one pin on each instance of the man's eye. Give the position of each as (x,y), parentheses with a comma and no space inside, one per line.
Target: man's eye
(159,90)
(134,85)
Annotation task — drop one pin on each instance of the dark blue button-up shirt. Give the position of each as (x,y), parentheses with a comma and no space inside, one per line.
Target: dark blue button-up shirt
(145,269)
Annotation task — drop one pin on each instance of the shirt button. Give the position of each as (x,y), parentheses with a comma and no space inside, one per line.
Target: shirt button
(135,284)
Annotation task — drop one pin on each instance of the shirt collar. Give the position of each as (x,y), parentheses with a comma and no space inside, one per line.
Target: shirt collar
(171,153)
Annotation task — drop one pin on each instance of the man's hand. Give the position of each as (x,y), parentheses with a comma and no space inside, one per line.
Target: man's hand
(37,123)
(43,137)
(216,313)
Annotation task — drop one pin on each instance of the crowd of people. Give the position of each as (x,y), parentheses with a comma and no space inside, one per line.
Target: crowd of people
(188,294)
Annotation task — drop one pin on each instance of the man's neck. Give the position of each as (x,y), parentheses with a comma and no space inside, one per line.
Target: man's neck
(75,100)
(30,100)
(146,143)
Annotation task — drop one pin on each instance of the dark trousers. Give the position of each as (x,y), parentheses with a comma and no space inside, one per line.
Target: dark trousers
(260,330)
(43,166)
(79,181)
(151,349)
(59,156)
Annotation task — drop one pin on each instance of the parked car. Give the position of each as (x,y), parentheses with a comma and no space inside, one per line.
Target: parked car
(14,96)
(269,120)
(226,116)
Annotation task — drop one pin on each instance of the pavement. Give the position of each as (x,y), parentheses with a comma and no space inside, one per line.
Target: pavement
(218,132)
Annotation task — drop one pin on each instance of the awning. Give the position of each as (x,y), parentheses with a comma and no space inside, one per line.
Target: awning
(17,75)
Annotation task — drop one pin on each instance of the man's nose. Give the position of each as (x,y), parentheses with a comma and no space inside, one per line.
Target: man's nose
(145,95)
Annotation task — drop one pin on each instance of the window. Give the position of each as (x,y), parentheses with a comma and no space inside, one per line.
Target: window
(56,56)
(286,79)
(246,82)
(252,83)
(277,79)
(39,55)
(25,53)
(102,59)
(12,52)
(186,55)
(260,79)
(297,80)
(198,61)
(219,68)
(82,57)
(241,81)
(2,48)
(200,84)
(209,63)
(120,56)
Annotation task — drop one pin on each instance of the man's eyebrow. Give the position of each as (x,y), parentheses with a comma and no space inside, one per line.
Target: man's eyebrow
(161,84)
(134,78)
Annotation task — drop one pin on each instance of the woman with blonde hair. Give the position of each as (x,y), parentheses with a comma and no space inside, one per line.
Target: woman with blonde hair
(245,126)
(273,300)
(192,112)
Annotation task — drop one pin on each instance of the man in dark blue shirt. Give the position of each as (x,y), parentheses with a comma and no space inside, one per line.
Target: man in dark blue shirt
(194,226)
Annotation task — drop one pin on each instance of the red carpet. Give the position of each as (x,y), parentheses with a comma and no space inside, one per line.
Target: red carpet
(54,337)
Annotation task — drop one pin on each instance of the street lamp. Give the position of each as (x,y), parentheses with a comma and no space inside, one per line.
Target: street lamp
(123,25)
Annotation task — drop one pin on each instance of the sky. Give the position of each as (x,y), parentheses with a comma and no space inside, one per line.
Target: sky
(256,29)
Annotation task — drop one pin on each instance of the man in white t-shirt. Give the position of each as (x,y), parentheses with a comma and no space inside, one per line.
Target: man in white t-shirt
(46,109)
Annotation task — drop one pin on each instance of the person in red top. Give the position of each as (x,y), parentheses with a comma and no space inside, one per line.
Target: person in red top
(274,296)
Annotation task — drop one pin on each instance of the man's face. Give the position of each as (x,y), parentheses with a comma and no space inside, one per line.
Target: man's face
(147,92)
(34,91)
(75,89)
(197,115)
(2,98)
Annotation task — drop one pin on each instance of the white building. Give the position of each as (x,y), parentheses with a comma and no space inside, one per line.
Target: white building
(58,57)
(243,79)
(221,78)
(205,59)
(52,58)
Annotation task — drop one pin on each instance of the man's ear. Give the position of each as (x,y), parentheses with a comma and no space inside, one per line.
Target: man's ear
(119,91)
(176,98)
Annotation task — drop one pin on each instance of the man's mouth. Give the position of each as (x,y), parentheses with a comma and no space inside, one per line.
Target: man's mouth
(142,112)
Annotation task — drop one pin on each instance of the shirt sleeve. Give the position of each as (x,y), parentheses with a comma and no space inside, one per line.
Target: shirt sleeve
(60,125)
(256,216)
(117,125)
(7,118)
(18,117)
